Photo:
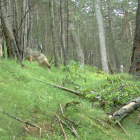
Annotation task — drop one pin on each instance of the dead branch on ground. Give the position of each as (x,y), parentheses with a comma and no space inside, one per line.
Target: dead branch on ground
(27,123)
(67,119)
(122,127)
(70,128)
(60,87)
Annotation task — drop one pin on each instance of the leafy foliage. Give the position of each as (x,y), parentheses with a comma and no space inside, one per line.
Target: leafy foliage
(114,93)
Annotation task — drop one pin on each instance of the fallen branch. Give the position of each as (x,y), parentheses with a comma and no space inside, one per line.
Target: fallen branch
(27,123)
(60,121)
(60,87)
(138,119)
(122,127)
(63,131)
(66,89)
(67,119)
(74,132)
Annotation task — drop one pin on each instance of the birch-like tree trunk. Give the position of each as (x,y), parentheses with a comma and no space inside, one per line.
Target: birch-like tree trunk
(54,35)
(62,32)
(101,37)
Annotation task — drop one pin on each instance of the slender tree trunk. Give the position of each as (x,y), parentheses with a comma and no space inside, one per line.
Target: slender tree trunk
(76,40)
(23,31)
(125,25)
(25,26)
(29,24)
(1,36)
(113,57)
(127,37)
(15,22)
(54,35)
(68,37)
(101,37)
(62,32)
(37,26)
(9,12)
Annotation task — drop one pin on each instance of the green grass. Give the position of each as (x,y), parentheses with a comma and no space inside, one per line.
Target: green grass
(24,96)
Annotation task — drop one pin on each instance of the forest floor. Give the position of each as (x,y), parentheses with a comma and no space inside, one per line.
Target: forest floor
(33,106)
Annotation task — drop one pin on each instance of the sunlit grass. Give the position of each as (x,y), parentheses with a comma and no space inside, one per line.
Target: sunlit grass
(26,93)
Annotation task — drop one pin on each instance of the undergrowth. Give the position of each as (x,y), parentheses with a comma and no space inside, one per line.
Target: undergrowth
(27,94)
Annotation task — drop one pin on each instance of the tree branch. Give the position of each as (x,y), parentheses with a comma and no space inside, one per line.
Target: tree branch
(27,123)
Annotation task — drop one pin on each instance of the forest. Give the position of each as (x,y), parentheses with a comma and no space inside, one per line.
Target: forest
(83,82)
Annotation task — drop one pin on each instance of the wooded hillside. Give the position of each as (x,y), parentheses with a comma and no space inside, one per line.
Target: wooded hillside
(70,30)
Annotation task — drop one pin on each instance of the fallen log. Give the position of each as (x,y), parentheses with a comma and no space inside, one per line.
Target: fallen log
(126,110)
(67,89)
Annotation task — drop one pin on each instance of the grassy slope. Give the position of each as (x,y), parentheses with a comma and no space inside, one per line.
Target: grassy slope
(24,97)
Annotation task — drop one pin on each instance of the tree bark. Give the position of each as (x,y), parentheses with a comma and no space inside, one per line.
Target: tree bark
(101,37)
(15,23)
(54,35)
(76,42)
(126,110)
(10,39)
(112,55)
(26,25)
(68,36)
(78,50)
(1,39)
(135,58)
(62,33)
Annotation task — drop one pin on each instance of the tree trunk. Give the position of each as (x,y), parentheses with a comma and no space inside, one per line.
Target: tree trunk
(54,35)
(9,37)
(15,22)
(101,37)
(9,12)
(135,58)
(126,110)
(77,48)
(68,37)
(26,25)
(1,37)
(112,56)
(125,25)
(76,42)
(62,33)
